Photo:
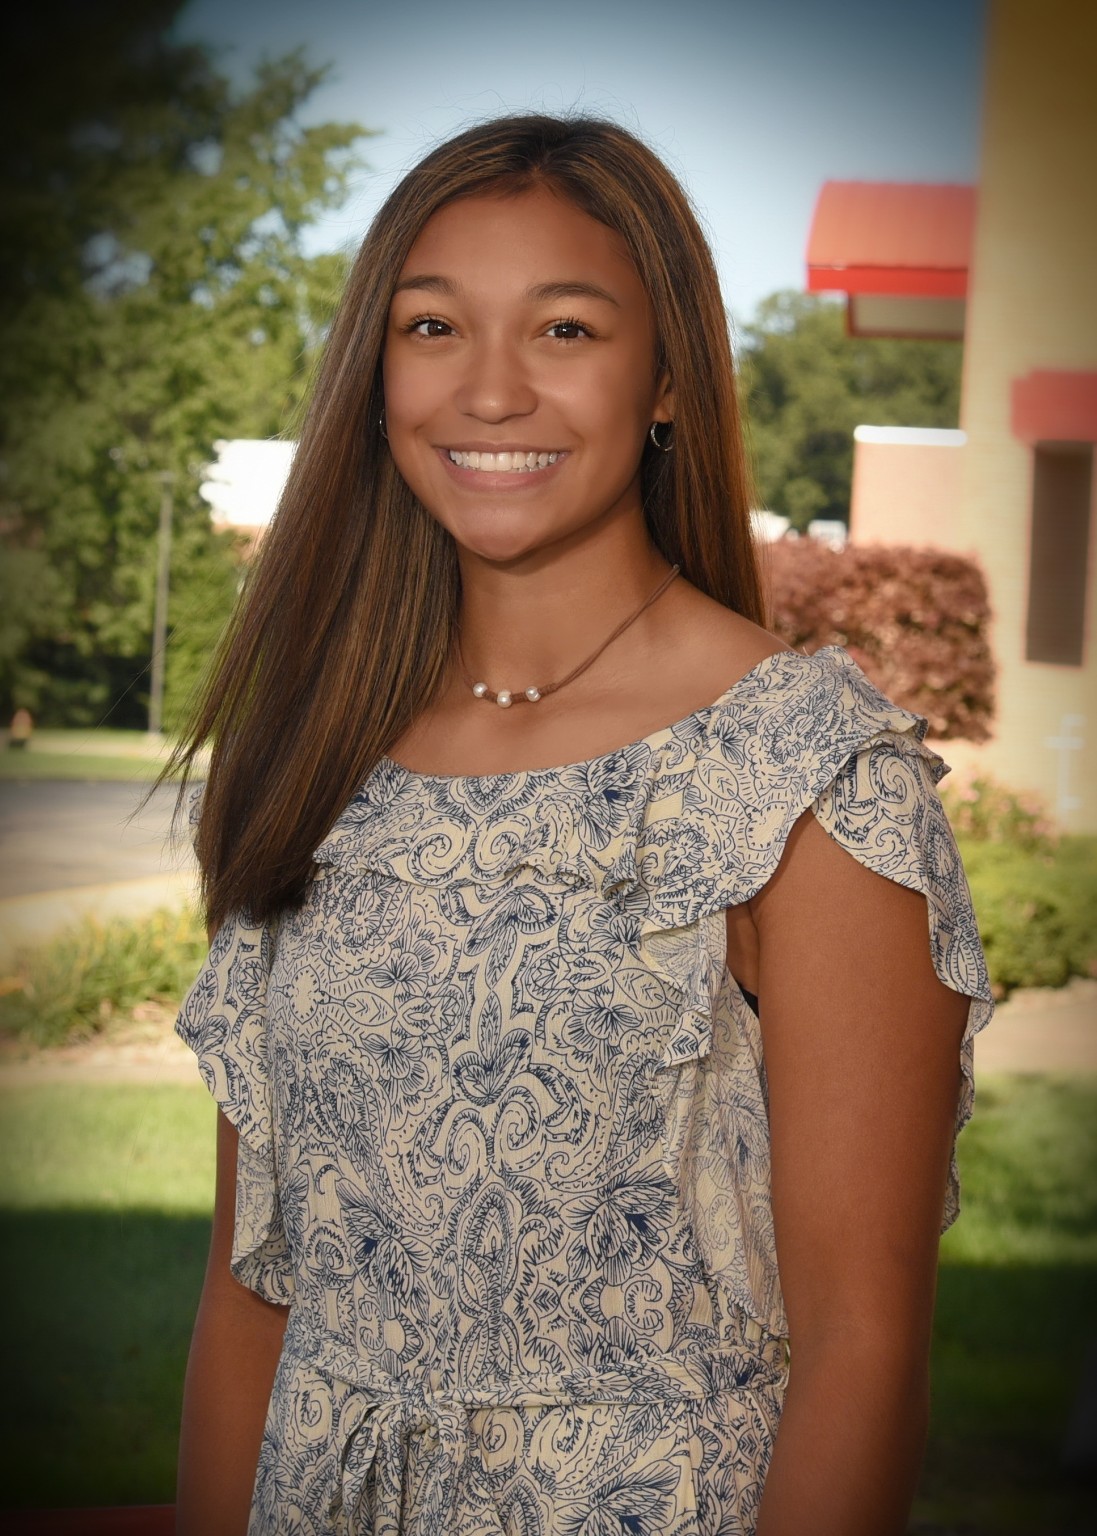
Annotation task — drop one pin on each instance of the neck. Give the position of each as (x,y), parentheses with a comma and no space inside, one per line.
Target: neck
(531,626)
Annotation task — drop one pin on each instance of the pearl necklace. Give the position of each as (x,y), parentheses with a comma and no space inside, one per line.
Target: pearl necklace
(505,698)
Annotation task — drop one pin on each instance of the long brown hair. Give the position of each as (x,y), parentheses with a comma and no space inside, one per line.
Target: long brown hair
(347,620)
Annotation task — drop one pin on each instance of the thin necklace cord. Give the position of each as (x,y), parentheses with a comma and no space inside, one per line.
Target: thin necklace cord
(531,695)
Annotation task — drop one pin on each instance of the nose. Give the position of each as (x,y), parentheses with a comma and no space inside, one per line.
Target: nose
(496,383)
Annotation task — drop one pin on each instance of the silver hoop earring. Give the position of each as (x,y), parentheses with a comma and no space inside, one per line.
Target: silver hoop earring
(381,425)
(668,446)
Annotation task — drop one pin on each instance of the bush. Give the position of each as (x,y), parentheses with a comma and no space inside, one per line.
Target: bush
(1037,911)
(1035,893)
(915,620)
(71,988)
(982,811)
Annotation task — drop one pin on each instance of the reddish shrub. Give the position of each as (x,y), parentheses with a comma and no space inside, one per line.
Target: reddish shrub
(915,619)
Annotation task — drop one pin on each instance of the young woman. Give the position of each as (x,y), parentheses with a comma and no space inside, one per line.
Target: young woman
(592,979)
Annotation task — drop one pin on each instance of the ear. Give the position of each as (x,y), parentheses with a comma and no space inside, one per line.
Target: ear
(665,405)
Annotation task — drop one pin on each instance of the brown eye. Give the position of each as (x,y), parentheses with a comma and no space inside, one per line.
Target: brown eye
(568,330)
(428,326)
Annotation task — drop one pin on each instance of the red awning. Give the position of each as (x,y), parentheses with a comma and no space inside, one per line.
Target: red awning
(901,251)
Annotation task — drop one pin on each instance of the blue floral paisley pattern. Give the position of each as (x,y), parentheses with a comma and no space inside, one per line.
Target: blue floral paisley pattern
(502,1120)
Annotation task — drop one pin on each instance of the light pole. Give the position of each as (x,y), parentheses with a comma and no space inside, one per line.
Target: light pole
(160,615)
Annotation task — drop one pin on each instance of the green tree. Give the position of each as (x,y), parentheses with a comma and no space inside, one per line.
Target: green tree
(806,384)
(157,297)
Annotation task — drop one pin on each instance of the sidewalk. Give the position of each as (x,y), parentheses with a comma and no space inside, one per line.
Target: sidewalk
(1042,1029)
(1036,1030)
(26,921)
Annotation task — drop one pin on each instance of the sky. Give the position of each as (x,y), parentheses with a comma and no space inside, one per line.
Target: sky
(752,103)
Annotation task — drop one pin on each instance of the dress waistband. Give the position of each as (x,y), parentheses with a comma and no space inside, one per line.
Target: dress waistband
(372,1491)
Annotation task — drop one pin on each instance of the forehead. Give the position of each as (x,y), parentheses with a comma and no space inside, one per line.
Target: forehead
(499,243)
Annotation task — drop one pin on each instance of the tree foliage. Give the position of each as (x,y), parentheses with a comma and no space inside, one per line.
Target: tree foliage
(806,385)
(156,297)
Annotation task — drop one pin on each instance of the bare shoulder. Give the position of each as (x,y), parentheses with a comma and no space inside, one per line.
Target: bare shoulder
(720,644)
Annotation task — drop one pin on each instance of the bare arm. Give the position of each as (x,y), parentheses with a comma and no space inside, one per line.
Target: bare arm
(862,1050)
(233,1355)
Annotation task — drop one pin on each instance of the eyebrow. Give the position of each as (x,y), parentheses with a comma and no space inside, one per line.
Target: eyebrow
(428,283)
(540,293)
(570,290)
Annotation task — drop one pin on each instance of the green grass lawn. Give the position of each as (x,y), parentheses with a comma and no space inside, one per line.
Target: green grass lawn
(87,767)
(89,755)
(1016,1311)
(105,1193)
(104,1204)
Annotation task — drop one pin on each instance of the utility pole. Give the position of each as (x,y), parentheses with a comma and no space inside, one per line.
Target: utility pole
(160,616)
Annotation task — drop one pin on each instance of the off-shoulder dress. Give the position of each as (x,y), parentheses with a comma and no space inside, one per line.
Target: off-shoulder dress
(503,1144)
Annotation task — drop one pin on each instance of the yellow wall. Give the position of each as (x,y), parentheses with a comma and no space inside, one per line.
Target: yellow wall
(1032,304)
(906,486)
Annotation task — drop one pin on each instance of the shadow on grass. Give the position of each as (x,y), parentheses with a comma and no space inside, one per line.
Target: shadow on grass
(98,1309)
(1008,1355)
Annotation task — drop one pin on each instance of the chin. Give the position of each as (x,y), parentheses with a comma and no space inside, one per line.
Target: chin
(499,534)
(498,551)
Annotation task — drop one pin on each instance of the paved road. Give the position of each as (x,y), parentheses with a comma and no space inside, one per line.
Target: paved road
(54,836)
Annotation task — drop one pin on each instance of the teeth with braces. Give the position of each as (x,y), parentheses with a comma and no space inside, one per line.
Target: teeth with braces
(502,462)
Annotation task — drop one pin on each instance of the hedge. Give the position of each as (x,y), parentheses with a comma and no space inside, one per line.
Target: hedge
(916,620)
(1037,913)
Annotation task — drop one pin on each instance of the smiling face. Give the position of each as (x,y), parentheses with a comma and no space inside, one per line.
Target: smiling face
(519,369)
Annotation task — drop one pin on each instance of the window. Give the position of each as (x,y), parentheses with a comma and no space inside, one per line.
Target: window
(1059,553)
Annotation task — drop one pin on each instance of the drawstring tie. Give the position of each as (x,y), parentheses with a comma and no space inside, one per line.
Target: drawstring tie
(419,1424)
(373,1492)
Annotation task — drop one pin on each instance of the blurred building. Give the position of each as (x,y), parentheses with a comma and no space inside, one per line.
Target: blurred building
(244,483)
(1012,271)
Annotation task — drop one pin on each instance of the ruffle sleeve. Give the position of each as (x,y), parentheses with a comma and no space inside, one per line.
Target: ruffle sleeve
(814,734)
(224,1021)
(883,808)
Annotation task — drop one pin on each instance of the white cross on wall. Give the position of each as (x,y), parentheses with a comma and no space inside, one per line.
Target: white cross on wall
(1068,741)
